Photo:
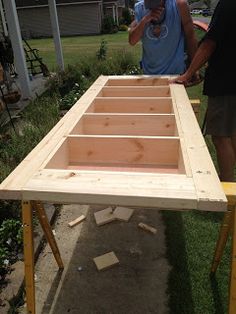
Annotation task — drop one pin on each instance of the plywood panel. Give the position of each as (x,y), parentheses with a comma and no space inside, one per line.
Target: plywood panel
(131,105)
(142,81)
(135,91)
(120,124)
(112,152)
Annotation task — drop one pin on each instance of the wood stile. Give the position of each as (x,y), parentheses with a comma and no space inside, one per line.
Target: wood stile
(128,141)
(203,171)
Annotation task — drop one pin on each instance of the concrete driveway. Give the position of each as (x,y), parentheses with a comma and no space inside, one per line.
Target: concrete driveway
(137,284)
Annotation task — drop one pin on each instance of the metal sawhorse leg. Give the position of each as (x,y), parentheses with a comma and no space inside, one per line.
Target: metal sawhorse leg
(27,207)
(228,226)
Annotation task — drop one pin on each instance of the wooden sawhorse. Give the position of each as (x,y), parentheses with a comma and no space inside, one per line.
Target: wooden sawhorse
(228,225)
(27,215)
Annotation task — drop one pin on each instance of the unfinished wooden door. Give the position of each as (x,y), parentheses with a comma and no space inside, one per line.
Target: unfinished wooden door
(129,140)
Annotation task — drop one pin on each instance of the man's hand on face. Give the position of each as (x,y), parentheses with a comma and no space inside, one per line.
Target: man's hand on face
(157,13)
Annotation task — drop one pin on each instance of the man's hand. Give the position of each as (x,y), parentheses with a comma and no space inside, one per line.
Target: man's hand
(194,80)
(186,80)
(182,79)
(155,14)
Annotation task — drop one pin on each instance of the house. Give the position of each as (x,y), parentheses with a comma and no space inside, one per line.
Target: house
(50,18)
(75,17)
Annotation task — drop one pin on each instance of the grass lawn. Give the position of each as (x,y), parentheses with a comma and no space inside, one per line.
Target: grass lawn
(191,236)
(78,47)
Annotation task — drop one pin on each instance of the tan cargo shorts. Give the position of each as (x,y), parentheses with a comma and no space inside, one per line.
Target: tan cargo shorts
(221,116)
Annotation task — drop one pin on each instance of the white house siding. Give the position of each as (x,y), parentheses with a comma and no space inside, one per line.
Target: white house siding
(35,22)
(78,19)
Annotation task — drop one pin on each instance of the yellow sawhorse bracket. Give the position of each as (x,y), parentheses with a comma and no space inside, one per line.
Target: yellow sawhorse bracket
(27,208)
(228,226)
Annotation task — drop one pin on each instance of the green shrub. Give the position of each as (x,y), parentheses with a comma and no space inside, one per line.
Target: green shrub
(123,28)
(64,81)
(11,234)
(11,238)
(108,25)
(3,262)
(70,99)
(102,51)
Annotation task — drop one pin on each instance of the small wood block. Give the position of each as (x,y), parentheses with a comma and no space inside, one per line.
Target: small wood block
(195,102)
(106,260)
(147,228)
(76,221)
(104,216)
(123,213)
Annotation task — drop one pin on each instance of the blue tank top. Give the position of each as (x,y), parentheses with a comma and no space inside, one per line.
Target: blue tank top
(163,45)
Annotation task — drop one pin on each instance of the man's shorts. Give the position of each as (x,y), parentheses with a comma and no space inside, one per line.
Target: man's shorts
(221,116)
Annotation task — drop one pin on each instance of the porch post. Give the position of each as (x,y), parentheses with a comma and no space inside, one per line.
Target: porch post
(4,24)
(56,33)
(16,41)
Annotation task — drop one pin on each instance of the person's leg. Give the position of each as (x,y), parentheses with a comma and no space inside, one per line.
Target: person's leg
(233,139)
(221,125)
(226,157)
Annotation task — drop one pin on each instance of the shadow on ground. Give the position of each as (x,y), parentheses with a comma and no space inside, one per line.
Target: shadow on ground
(137,285)
(179,285)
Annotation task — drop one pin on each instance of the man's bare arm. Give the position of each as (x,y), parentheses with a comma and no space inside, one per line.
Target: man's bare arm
(202,55)
(136,31)
(187,24)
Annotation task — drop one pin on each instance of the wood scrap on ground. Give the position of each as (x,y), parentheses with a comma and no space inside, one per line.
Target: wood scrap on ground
(106,260)
(147,228)
(123,213)
(104,216)
(76,221)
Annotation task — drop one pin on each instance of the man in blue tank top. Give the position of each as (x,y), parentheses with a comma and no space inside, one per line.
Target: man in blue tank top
(165,29)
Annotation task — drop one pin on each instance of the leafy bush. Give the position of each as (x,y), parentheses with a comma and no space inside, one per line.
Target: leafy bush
(11,234)
(123,28)
(70,85)
(70,99)
(10,243)
(9,210)
(3,262)
(108,25)
(102,51)
(65,80)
